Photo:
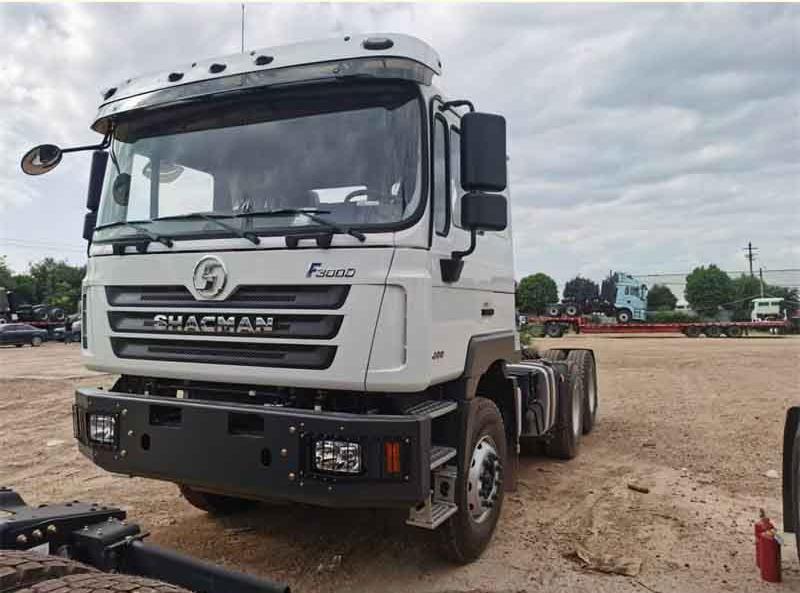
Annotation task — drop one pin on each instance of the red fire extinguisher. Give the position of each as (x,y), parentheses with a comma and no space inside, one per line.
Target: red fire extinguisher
(768,550)
(763,524)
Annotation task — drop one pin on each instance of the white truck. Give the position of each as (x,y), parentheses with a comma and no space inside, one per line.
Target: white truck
(300,266)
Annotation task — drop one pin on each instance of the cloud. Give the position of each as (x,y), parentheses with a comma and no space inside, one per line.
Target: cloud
(645,138)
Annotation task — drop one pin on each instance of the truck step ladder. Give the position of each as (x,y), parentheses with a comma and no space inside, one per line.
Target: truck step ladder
(432,408)
(440,504)
(440,455)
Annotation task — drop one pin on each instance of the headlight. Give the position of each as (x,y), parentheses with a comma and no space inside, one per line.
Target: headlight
(103,429)
(340,457)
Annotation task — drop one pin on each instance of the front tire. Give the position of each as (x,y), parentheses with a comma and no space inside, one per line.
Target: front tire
(36,341)
(624,315)
(479,487)
(215,504)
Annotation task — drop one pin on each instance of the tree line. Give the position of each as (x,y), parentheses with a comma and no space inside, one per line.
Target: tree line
(49,282)
(708,291)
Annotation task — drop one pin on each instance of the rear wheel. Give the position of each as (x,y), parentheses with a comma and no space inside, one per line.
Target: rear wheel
(21,569)
(733,331)
(582,363)
(554,354)
(36,341)
(624,315)
(215,504)
(566,434)
(554,330)
(692,331)
(479,489)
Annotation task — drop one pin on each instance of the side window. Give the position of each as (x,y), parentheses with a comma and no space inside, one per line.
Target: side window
(455,176)
(440,190)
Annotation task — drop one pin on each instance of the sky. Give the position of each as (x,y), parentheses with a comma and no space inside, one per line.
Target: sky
(644,138)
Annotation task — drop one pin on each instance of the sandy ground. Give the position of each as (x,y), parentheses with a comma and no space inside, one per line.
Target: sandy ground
(699,422)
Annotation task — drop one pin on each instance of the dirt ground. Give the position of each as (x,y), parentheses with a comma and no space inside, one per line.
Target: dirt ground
(698,422)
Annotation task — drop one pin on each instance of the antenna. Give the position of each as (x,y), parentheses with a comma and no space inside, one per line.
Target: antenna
(242,27)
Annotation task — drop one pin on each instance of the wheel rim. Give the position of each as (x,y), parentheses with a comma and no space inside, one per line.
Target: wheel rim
(483,479)
(624,317)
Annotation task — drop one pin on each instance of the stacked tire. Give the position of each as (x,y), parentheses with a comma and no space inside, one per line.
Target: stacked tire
(29,572)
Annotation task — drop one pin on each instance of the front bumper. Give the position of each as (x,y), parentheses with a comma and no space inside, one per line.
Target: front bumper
(254,451)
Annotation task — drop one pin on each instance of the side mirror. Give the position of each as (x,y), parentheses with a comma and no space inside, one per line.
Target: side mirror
(89,222)
(484,212)
(96,176)
(483,152)
(41,159)
(479,212)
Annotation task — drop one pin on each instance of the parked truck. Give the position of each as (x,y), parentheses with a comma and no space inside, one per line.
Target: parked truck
(300,266)
(621,296)
(43,316)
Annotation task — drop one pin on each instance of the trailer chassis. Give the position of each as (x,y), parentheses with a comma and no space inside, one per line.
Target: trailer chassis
(100,536)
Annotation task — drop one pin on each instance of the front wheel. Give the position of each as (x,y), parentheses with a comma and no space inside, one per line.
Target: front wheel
(36,341)
(624,315)
(479,487)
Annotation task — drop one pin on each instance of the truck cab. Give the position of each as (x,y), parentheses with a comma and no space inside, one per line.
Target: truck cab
(301,268)
(766,309)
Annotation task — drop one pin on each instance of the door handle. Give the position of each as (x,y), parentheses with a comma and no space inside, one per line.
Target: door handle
(487,312)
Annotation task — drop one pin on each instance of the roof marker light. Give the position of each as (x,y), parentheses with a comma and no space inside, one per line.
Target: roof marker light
(109,93)
(175,76)
(377,43)
(263,60)
(216,68)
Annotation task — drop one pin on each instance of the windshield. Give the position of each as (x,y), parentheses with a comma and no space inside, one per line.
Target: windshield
(348,153)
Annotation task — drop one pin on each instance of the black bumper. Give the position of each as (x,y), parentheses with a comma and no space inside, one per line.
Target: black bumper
(255,452)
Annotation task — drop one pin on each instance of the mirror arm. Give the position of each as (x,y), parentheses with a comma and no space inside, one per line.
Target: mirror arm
(450,105)
(457,255)
(102,146)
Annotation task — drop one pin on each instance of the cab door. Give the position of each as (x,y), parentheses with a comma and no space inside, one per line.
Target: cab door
(466,307)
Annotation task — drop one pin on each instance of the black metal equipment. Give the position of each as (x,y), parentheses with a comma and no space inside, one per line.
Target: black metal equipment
(101,537)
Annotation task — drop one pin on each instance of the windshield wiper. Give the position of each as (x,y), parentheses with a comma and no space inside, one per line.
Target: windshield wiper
(311,214)
(164,240)
(214,218)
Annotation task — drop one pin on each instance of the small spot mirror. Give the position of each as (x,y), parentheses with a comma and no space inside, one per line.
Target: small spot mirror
(41,159)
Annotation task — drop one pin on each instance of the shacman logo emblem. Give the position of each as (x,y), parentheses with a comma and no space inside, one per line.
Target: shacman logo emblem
(209,277)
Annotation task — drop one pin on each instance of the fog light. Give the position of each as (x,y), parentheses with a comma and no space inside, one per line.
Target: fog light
(103,429)
(341,457)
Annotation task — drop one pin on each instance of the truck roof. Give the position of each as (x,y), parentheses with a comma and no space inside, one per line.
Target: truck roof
(395,45)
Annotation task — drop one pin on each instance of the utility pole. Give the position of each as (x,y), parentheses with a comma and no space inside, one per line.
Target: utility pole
(761,277)
(750,255)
